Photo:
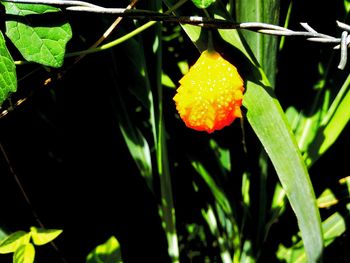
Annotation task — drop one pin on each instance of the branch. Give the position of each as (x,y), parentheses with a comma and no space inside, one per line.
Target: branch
(310,34)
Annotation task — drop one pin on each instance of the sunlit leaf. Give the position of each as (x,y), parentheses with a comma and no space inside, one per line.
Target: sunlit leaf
(218,193)
(3,235)
(167,82)
(42,236)
(223,155)
(134,63)
(268,121)
(333,227)
(332,125)
(347,5)
(108,252)
(138,148)
(210,218)
(222,204)
(37,41)
(24,254)
(8,78)
(203,3)
(13,241)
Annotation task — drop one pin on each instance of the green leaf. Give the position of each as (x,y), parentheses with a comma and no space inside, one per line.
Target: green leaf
(347,5)
(8,78)
(332,125)
(41,42)
(166,208)
(203,3)
(3,235)
(13,241)
(167,82)
(137,145)
(268,121)
(210,218)
(222,204)
(333,227)
(222,155)
(42,236)
(264,47)
(108,252)
(24,254)
(218,193)
(139,86)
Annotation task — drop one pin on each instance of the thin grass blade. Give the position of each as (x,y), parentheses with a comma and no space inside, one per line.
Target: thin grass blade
(332,125)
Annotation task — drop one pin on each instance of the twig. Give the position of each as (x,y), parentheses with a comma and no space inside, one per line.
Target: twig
(107,32)
(310,34)
(26,198)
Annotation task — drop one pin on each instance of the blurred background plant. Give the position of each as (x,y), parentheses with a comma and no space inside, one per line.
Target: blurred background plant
(98,149)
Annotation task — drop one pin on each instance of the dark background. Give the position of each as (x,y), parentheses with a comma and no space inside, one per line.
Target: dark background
(65,146)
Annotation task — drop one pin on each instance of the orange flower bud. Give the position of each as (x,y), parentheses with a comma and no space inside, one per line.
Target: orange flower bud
(210,95)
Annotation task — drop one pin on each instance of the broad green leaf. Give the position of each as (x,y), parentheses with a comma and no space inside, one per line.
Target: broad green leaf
(8,78)
(278,206)
(38,39)
(42,236)
(333,227)
(264,47)
(203,3)
(24,254)
(270,124)
(108,252)
(268,121)
(13,241)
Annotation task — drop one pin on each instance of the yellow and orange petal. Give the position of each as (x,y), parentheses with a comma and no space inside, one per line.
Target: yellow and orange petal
(210,95)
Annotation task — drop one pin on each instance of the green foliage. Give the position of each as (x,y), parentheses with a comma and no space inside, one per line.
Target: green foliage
(43,236)
(332,124)
(24,254)
(14,241)
(35,40)
(264,47)
(266,117)
(108,252)
(8,79)
(203,3)
(236,185)
(19,243)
